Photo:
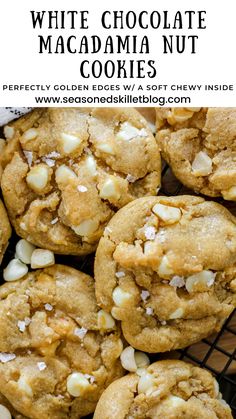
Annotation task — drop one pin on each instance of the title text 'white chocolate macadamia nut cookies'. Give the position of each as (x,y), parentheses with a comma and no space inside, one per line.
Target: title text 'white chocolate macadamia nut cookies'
(166,268)
(165,390)
(58,349)
(200,146)
(5,230)
(68,170)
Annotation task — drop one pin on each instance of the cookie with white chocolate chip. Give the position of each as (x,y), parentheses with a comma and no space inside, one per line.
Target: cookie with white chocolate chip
(67,171)
(166,268)
(165,390)
(58,349)
(200,146)
(5,230)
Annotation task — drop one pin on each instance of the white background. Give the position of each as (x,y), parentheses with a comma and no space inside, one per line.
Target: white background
(214,62)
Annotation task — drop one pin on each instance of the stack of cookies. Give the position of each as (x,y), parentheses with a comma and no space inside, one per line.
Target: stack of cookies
(79,180)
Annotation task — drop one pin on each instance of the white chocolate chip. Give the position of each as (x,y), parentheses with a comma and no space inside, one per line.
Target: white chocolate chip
(4,357)
(24,251)
(30,134)
(230,194)
(177,314)
(202,164)
(77,384)
(38,177)
(202,280)
(165,269)
(24,386)
(86,228)
(48,307)
(15,270)
(69,143)
(105,320)
(128,132)
(80,332)
(141,359)
(4,412)
(146,383)
(82,188)
(64,174)
(127,359)
(41,366)
(169,215)
(91,165)
(106,148)
(41,258)
(121,297)
(8,132)
(110,189)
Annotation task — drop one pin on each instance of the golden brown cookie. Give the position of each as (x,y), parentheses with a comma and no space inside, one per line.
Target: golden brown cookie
(166,268)
(200,146)
(5,230)
(70,169)
(58,350)
(165,390)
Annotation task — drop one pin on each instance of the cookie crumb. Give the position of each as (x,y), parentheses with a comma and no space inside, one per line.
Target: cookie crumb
(80,332)
(41,366)
(4,357)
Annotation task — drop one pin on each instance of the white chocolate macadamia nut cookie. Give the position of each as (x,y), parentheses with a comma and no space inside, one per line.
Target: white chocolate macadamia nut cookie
(165,390)
(5,230)
(67,171)
(166,268)
(200,146)
(57,353)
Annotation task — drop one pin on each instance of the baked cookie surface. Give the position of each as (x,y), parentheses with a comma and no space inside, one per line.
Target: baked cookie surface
(200,146)
(66,171)
(58,350)
(166,268)
(165,390)
(5,230)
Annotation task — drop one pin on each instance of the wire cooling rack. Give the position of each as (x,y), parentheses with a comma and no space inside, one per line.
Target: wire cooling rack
(217,353)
